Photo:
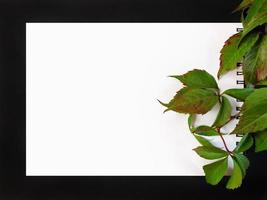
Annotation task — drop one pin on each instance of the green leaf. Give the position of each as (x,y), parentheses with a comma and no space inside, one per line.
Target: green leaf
(191,120)
(262,83)
(235,180)
(261,141)
(252,120)
(224,114)
(210,153)
(244,4)
(257,16)
(192,100)
(245,143)
(197,79)
(231,54)
(254,10)
(255,62)
(243,163)
(203,141)
(240,94)
(200,139)
(253,113)
(257,97)
(215,171)
(205,131)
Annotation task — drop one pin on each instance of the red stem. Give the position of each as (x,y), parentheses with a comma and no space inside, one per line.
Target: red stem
(224,143)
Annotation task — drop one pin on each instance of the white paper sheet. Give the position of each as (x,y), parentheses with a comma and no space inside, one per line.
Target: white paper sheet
(92,91)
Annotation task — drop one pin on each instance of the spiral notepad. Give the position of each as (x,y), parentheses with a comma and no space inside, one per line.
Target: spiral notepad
(92,90)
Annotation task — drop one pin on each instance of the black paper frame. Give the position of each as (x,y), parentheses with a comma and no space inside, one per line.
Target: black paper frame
(14,184)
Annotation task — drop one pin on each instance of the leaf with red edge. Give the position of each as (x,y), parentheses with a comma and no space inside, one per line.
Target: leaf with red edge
(255,62)
(231,54)
(192,100)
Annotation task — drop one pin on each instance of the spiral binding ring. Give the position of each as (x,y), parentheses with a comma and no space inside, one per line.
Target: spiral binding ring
(239,82)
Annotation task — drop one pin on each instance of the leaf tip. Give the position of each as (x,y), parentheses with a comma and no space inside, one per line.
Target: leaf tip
(165,105)
(172,76)
(232,188)
(177,77)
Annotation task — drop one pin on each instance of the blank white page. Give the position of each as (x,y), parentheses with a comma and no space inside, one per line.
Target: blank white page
(92,91)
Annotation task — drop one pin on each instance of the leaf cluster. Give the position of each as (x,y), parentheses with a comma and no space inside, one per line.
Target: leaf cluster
(201,93)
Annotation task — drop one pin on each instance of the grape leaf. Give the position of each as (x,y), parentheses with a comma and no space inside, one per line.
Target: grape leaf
(197,79)
(257,15)
(245,143)
(210,153)
(253,113)
(235,180)
(243,163)
(240,94)
(205,131)
(261,141)
(255,62)
(224,113)
(215,171)
(231,54)
(192,100)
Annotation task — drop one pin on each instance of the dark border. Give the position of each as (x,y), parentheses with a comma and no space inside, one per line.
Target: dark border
(14,185)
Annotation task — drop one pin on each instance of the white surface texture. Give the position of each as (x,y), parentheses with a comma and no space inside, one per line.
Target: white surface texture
(92,91)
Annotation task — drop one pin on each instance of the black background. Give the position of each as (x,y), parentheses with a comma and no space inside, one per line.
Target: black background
(14,184)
